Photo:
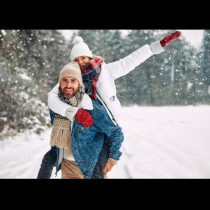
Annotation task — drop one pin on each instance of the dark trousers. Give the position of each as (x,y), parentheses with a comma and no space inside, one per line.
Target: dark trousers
(49,161)
(102,159)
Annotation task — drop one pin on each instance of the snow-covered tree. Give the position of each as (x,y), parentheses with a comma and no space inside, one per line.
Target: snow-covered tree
(30,63)
(205,62)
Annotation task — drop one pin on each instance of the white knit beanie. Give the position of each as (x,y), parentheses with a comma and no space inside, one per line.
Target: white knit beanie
(80,49)
(71,70)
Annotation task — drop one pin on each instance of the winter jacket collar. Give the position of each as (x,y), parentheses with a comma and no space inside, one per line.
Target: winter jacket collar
(86,103)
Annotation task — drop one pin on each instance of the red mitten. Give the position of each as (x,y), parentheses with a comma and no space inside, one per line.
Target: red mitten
(168,39)
(83,117)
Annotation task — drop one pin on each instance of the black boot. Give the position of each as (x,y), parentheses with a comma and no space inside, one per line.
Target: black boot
(48,162)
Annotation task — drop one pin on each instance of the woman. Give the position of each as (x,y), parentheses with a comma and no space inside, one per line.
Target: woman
(98,78)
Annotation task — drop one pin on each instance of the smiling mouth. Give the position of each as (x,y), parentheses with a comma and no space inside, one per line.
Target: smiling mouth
(68,90)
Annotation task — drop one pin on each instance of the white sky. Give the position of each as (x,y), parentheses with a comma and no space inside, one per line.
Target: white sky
(193,36)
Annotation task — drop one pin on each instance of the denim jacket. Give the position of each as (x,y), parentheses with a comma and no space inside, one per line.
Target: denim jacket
(87,142)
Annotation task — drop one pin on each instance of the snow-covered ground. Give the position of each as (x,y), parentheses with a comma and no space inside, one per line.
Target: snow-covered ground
(160,142)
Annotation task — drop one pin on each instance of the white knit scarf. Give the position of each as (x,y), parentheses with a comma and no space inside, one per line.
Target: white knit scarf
(61,131)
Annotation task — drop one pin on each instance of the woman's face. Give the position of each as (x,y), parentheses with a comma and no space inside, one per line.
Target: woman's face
(82,60)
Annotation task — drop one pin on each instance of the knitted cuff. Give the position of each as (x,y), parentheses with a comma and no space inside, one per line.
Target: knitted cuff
(70,112)
(156,48)
(113,161)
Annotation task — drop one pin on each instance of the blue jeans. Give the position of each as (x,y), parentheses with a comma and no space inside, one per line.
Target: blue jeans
(49,161)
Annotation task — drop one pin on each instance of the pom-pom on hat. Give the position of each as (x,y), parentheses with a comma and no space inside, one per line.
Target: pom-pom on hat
(80,49)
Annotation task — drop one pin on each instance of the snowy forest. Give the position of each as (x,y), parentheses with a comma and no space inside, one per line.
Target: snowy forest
(30,62)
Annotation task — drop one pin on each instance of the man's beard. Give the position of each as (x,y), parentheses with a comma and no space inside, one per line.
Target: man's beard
(77,97)
(69,92)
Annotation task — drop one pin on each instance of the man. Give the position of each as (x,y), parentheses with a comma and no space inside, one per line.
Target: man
(77,145)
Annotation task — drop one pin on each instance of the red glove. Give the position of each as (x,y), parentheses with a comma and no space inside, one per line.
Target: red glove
(168,39)
(83,117)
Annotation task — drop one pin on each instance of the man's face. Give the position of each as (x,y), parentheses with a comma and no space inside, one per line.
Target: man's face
(82,60)
(69,86)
